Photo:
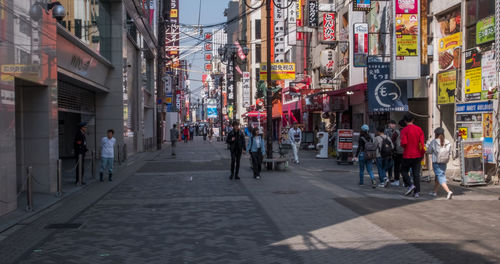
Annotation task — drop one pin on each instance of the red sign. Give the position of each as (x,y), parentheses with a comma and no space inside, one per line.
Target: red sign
(406,6)
(344,140)
(329,27)
(208,36)
(208,46)
(208,56)
(208,67)
(241,54)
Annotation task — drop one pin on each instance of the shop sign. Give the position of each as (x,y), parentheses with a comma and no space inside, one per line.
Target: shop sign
(406,45)
(450,51)
(361,5)
(339,103)
(313,13)
(212,111)
(488,148)
(447,83)
(486,106)
(344,143)
(241,54)
(279,71)
(329,27)
(384,94)
(473,75)
(469,118)
(379,39)
(314,103)
(327,62)
(360,44)
(463,132)
(489,88)
(326,7)
(406,6)
(246,89)
(485,30)
(406,24)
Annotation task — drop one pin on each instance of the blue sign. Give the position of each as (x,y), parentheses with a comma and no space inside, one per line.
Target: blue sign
(212,111)
(486,106)
(384,94)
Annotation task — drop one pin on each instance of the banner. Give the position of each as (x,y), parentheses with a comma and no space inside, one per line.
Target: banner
(313,13)
(384,95)
(485,30)
(489,88)
(360,44)
(329,27)
(446,83)
(246,89)
(361,5)
(241,54)
(472,75)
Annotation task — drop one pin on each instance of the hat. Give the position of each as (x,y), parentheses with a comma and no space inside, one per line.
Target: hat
(439,131)
(365,128)
(82,124)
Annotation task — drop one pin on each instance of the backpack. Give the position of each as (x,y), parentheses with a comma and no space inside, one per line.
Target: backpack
(386,150)
(370,149)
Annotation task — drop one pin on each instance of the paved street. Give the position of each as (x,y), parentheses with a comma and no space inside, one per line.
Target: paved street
(185,210)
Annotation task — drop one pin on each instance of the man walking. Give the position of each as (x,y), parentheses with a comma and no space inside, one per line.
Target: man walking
(174,137)
(295,136)
(236,141)
(107,154)
(384,155)
(412,140)
(80,148)
(191,132)
(257,149)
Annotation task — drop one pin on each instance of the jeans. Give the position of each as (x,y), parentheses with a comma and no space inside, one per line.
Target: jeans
(256,162)
(362,164)
(235,162)
(107,163)
(382,166)
(295,149)
(414,165)
(398,158)
(440,171)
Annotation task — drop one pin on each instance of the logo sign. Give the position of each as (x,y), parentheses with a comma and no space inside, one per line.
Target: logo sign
(360,44)
(329,27)
(406,6)
(279,71)
(384,95)
(208,56)
(208,36)
(313,13)
(485,30)
(485,106)
(208,67)
(246,89)
(208,46)
(361,5)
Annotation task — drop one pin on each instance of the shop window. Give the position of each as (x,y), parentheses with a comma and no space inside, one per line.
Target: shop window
(78,28)
(24,27)
(257,29)
(258,53)
(476,10)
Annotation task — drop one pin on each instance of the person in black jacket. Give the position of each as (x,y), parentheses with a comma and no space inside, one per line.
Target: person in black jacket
(80,148)
(236,141)
(364,137)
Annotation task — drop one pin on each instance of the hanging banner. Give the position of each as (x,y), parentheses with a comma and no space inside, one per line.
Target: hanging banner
(406,6)
(329,27)
(485,30)
(313,13)
(246,89)
(446,83)
(361,5)
(360,44)
(241,54)
(384,94)
(489,88)
(472,75)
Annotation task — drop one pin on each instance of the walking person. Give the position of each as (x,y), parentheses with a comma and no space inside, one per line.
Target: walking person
(80,148)
(390,132)
(412,140)
(236,141)
(191,132)
(398,153)
(365,154)
(174,137)
(205,132)
(107,154)
(185,133)
(257,149)
(295,136)
(210,133)
(384,156)
(440,148)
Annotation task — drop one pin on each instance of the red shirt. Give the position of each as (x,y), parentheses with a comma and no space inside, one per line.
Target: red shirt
(412,140)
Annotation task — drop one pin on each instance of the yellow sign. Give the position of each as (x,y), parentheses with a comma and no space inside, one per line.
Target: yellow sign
(407,24)
(447,83)
(462,131)
(174,13)
(487,125)
(406,45)
(9,71)
(168,99)
(299,9)
(473,81)
(279,71)
(450,42)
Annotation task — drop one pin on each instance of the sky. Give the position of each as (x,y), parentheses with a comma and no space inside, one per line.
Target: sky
(212,12)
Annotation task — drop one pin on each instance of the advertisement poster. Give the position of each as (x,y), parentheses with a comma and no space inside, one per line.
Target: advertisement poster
(449,51)
(487,125)
(329,27)
(462,132)
(407,24)
(473,84)
(361,5)
(488,150)
(447,83)
(360,44)
(406,45)
(344,143)
(485,30)
(488,75)
(384,94)
(378,32)
(472,59)
(406,6)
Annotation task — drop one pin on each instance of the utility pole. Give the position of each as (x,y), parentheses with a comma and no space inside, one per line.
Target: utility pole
(235,109)
(269,95)
(221,103)
(159,77)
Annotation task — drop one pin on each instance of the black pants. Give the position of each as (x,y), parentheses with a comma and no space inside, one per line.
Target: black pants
(191,135)
(414,165)
(256,162)
(235,160)
(398,158)
(78,167)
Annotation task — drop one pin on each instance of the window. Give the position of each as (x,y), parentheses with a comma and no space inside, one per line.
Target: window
(24,27)
(78,28)
(258,53)
(476,10)
(257,29)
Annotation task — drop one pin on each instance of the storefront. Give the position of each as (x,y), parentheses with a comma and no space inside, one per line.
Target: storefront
(350,106)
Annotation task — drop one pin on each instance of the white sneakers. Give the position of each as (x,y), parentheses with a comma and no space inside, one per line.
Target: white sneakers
(448,196)
(433,194)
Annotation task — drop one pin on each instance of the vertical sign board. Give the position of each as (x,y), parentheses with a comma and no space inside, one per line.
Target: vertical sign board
(406,40)
(172,33)
(328,28)
(246,89)
(384,94)
(292,23)
(489,88)
(361,5)
(446,83)
(313,13)
(360,44)
(279,31)
(472,75)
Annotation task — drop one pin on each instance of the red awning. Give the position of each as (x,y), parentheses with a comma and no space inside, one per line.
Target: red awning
(355,88)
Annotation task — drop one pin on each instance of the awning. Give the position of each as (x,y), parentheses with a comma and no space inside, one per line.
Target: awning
(354,88)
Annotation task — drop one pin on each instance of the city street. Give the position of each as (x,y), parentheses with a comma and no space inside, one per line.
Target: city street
(184,209)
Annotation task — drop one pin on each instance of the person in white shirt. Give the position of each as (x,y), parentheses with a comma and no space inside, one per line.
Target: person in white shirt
(440,149)
(108,154)
(295,136)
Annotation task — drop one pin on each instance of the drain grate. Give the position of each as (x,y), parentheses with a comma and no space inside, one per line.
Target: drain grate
(63,226)
(286,192)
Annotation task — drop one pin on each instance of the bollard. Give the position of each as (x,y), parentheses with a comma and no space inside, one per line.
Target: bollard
(59,178)
(92,153)
(80,169)
(29,190)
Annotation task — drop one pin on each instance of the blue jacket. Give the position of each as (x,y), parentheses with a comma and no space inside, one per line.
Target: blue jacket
(253,147)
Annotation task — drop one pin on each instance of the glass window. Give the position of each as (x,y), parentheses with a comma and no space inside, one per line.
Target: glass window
(258,53)
(476,10)
(257,29)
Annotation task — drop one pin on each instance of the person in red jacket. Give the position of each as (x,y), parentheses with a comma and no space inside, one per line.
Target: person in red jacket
(185,132)
(412,140)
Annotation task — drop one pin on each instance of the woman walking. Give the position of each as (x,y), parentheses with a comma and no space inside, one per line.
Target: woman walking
(440,147)
(365,155)
(257,149)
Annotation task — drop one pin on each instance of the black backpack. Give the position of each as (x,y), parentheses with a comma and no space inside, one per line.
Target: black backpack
(370,149)
(386,150)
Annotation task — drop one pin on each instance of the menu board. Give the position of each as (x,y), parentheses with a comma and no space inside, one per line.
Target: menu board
(344,140)
(472,165)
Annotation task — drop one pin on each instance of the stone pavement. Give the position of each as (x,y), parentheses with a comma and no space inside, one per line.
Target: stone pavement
(184,209)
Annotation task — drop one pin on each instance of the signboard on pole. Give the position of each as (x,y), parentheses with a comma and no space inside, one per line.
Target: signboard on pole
(313,13)
(246,89)
(406,40)
(360,44)
(384,94)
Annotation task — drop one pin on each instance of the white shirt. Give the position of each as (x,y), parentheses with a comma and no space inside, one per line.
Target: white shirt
(108,147)
(295,135)
(257,142)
